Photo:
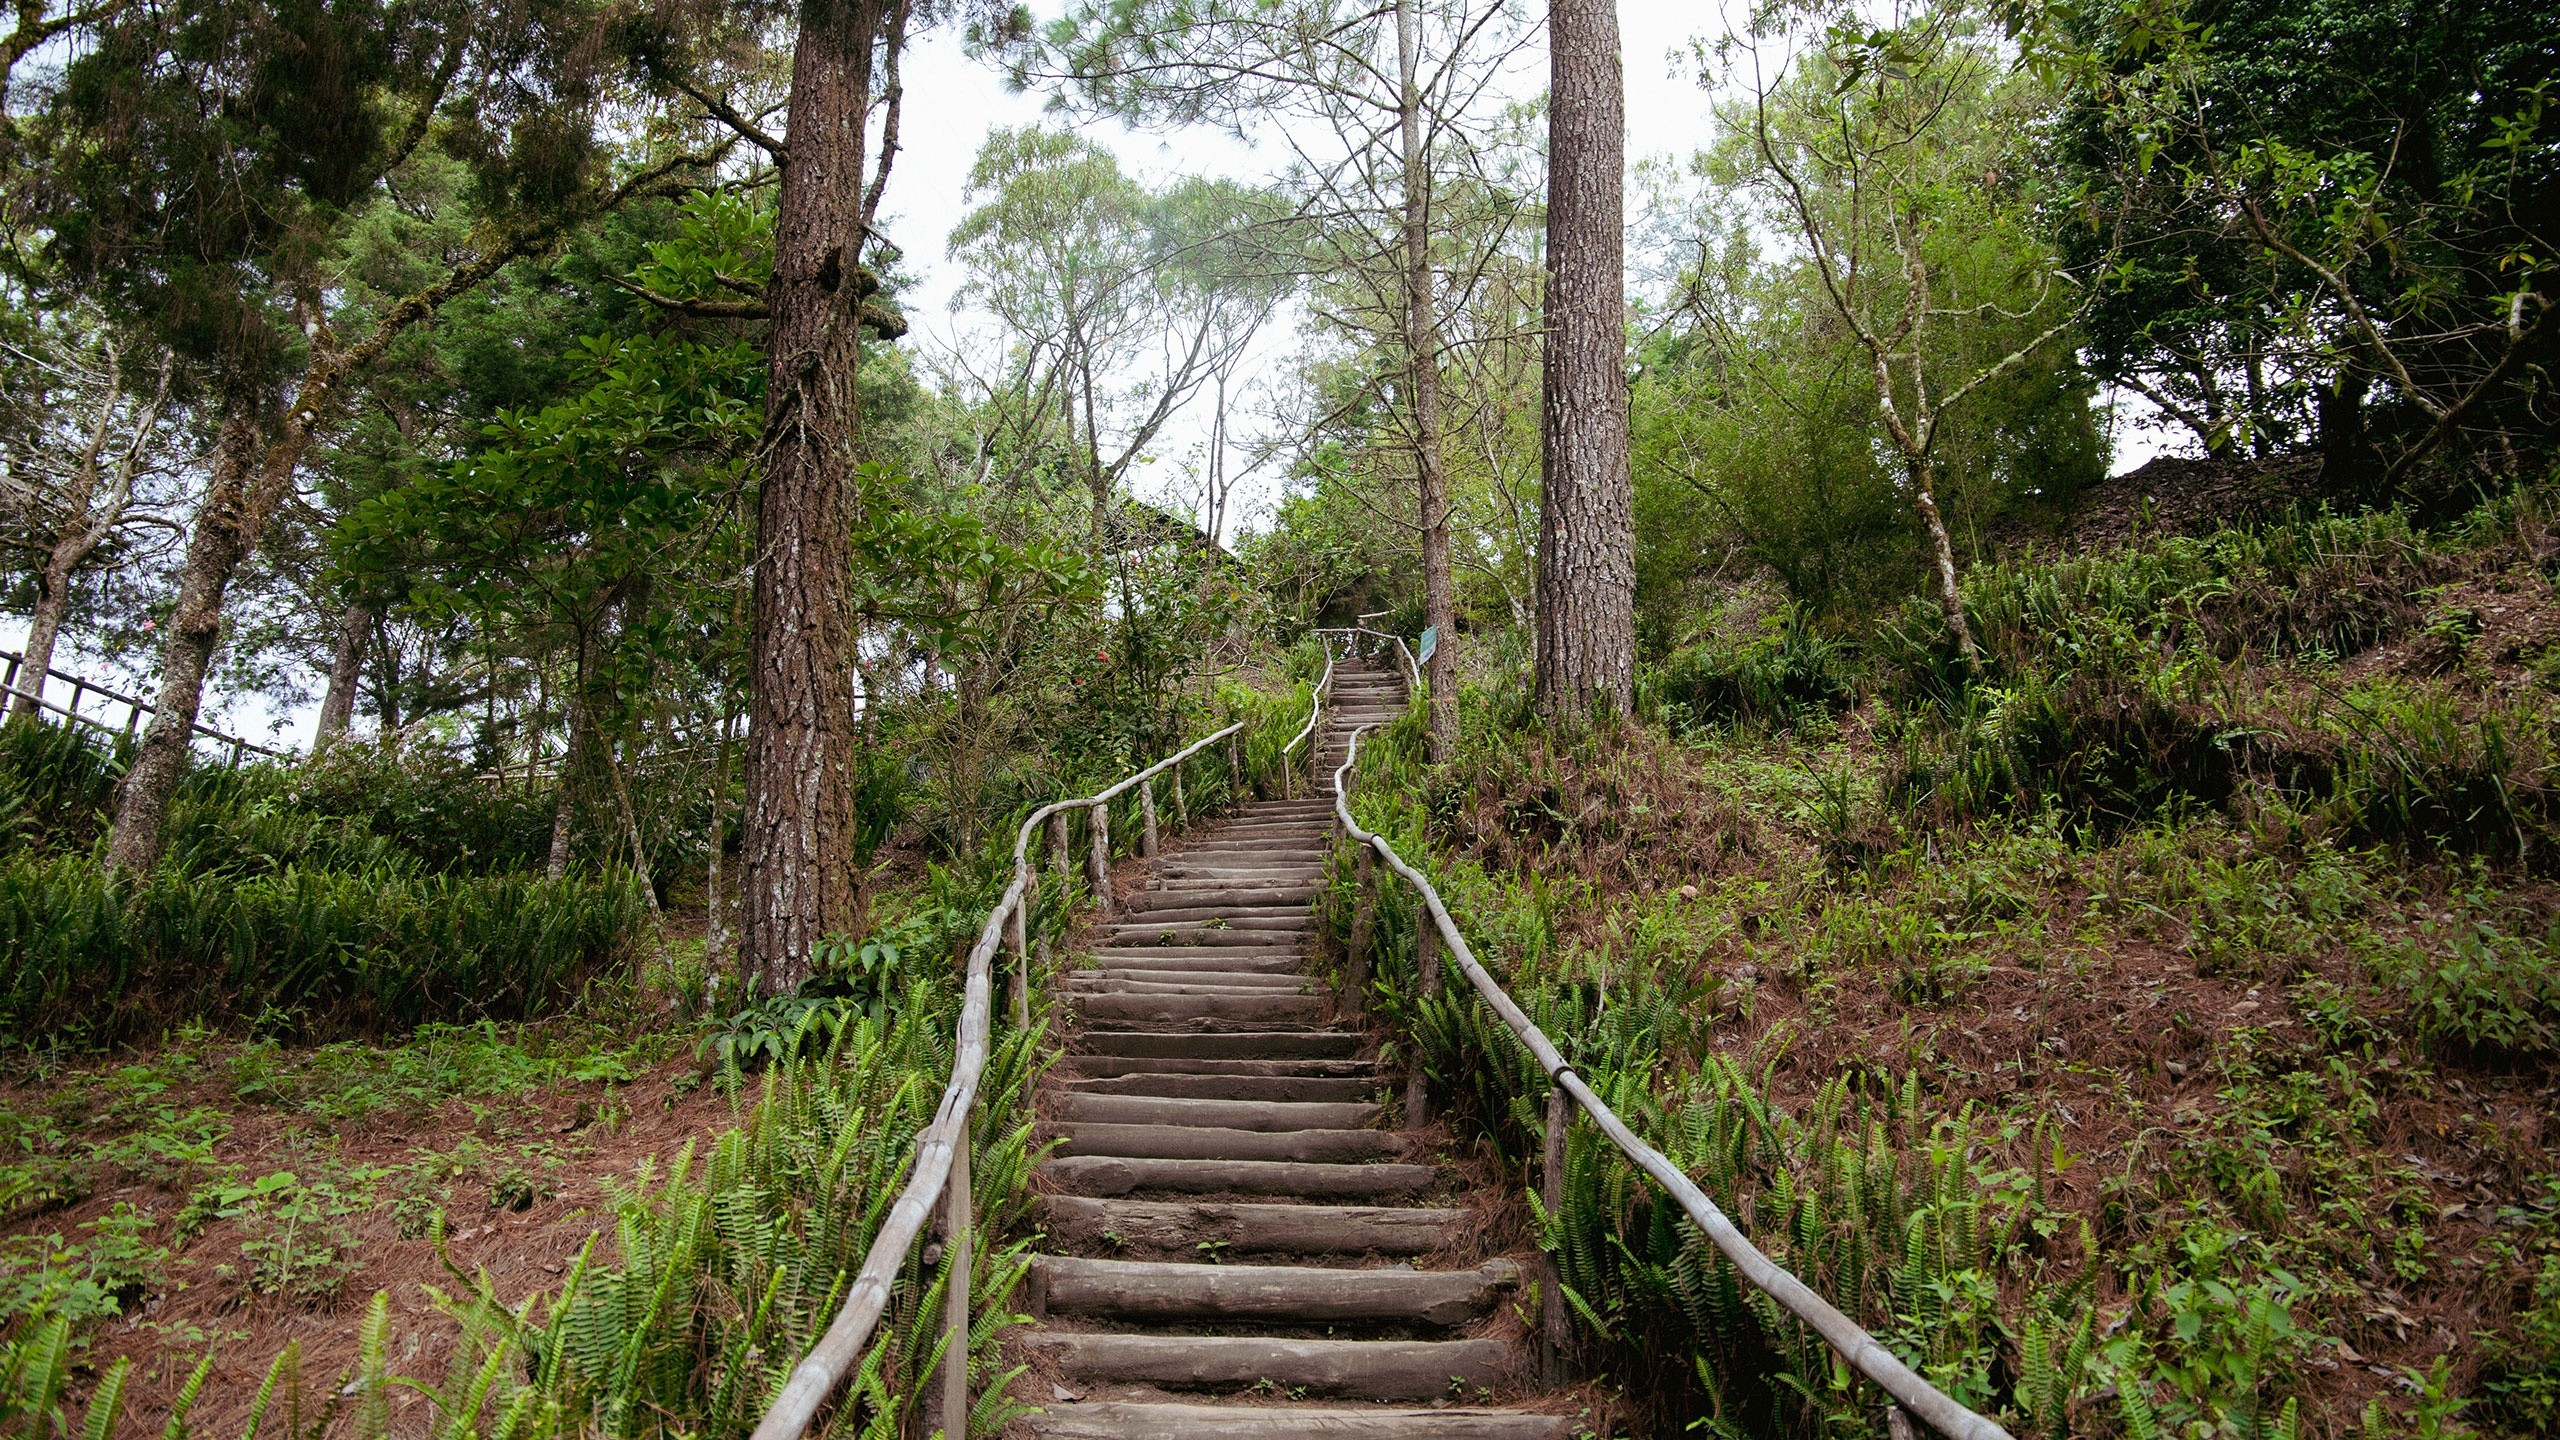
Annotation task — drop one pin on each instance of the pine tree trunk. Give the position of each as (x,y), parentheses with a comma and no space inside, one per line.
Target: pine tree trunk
(44,626)
(1586,546)
(1422,357)
(798,820)
(241,494)
(346,668)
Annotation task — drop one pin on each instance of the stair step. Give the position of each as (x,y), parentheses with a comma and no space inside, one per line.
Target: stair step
(1155,1290)
(1195,894)
(1215,910)
(1199,980)
(1130,1420)
(1232,1045)
(1209,1142)
(1195,958)
(1267,950)
(1113,1175)
(1243,1067)
(1287,1089)
(1226,1114)
(1353,1369)
(1249,1228)
(1235,1006)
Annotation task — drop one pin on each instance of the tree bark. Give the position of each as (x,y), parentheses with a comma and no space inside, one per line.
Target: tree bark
(1923,475)
(1422,357)
(247,482)
(802,728)
(1586,547)
(346,668)
(87,520)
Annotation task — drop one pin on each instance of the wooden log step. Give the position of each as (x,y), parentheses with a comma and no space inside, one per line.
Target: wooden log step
(1352,1369)
(1194,985)
(1204,1142)
(1251,930)
(1212,962)
(1132,1420)
(1248,1228)
(1110,1175)
(1087,1108)
(1153,1290)
(1103,1067)
(1238,1007)
(1212,910)
(1218,898)
(1130,954)
(1199,980)
(1231,1045)
(1285,1088)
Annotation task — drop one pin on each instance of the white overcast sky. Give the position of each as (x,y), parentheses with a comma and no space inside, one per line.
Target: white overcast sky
(953,101)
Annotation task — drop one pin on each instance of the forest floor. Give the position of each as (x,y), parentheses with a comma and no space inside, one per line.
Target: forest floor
(213,1195)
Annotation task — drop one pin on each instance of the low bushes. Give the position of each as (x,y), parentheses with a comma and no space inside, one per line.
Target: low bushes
(87,958)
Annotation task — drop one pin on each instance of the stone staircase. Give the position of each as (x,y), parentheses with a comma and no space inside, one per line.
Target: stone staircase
(1237,1249)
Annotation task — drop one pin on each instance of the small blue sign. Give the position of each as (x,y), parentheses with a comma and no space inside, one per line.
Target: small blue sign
(1430,642)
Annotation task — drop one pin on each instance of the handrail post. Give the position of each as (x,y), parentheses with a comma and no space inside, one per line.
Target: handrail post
(1554,1327)
(1364,927)
(957,1223)
(1426,959)
(78,688)
(1147,841)
(1065,865)
(1016,938)
(1181,804)
(1098,857)
(1235,770)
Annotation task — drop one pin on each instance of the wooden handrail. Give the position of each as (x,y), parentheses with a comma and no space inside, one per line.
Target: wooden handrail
(941,1153)
(1933,1406)
(1412,667)
(80,685)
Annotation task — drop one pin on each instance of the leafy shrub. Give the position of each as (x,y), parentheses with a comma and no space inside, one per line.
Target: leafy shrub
(430,804)
(56,782)
(89,958)
(1781,675)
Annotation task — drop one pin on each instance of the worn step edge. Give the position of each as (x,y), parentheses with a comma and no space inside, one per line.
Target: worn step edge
(1249,1228)
(1157,1291)
(1267,1115)
(1108,1176)
(1212,1142)
(1287,1089)
(1352,1369)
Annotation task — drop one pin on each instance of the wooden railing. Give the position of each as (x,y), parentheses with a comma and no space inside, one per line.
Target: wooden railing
(939,1173)
(1909,1392)
(135,708)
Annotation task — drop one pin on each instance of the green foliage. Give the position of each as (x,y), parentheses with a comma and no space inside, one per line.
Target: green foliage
(1785,673)
(87,957)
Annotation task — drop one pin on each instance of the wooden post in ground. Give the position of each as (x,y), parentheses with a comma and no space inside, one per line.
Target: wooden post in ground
(1235,770)
(1147,840)
(957,1224)
(1364,929)
(1016,931)
(1181,805)
(1555,1334)
(1098,859)
(1065,865)
(1426,960)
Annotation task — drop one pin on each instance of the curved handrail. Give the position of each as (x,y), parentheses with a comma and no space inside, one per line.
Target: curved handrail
(840,1349)
(1412,667)
(1315,711)
(1933,1406)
